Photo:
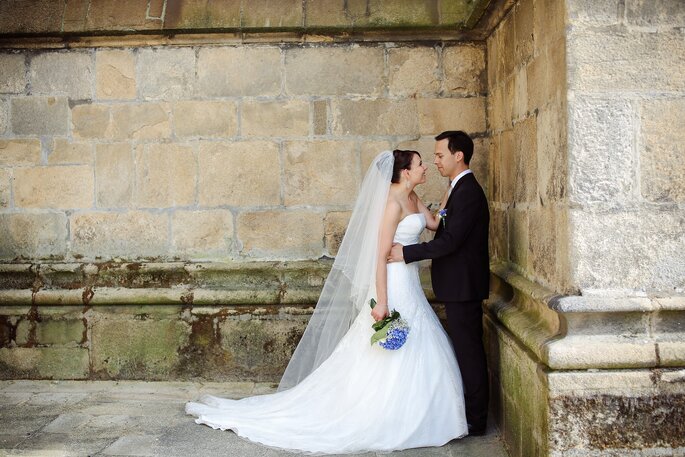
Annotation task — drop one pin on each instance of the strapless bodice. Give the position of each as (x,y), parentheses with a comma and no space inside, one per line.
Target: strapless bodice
(409,229)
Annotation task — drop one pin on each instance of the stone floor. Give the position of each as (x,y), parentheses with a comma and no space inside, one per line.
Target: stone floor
(129,418)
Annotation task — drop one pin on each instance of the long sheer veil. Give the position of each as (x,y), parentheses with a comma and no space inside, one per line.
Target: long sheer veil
(352,279)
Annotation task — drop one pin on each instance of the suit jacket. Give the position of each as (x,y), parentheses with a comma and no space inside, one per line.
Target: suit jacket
(461,262)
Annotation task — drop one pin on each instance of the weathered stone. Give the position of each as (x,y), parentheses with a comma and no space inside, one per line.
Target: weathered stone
(40,116)
(45,363)
(270,13)
(165,176)
(204,118)
(5,188)
(523,24)
(552,169)
(272,119)
(134,234)
(659,13)
(12,73)
(63,73)
(593,12)
(662,168)
(91,121)
(602,166)
(201,234)
(54,187)
(42,16)
(334,230)
(65,152)
(19,152)
(375,117)
(4,115)
(519,102)
(281,234)
(546,73)
(464,68)
(201,14)
(550,22)
(334,70)
(75,12)
(33,235)
(146,347)
(644,251)
(239,174)
(437,115)
(260,349)
(60,331)
(166,73)
(145,121)
(525,187)
(636,61)
(389,13)
(320,117)
(124,14)
(113,175)
(115,75)
(413,71)
(239,71)
(499,235)
(508,49)
(542,228)
(518,238)
(327,14)
(507,164)
(320,173)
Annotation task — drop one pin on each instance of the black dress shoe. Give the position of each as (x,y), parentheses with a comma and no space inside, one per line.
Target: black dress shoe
(477,431)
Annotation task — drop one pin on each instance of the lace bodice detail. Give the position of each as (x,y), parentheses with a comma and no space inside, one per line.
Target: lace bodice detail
(409,229)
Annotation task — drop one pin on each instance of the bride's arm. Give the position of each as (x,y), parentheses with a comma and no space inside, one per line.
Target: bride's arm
(391,218)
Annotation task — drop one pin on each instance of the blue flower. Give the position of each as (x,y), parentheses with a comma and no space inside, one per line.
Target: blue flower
(442,214)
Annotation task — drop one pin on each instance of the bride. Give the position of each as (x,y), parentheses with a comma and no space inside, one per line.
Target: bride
(339,393)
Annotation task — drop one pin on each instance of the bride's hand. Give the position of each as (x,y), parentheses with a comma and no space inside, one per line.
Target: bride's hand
(380,311)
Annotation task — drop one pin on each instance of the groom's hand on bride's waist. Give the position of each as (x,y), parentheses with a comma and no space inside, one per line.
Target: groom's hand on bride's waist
(396,254)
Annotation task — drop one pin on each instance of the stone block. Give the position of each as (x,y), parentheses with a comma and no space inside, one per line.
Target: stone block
(275,118)
(542,228)
(552,167)
(662,168)
(272,13)
(63,73)
(60,332)
(655,13)
(144,121)
(334,229)
(166,73)
(4,115)
(5,188)
(519,96)
(519,238)
(413,71)
(165,176)
(507,166)
(245,173)
(320,173)
(65,152)
(508,49)
(320,117)
(19,152)
(392,13)
(438,115)
(499,235)
(644,251)
(464,68)
(40,116)
(375,117)
(91,121)
(239,71)
(33,235)
(44,363)
(131,235)
(12,73)
(202,14)
(549,22)
(546,73)
(115,74)
(113,175)
(204,118)
(602,162)
(65,187)
(525,187)
(330,70)
(120,15)
(260,349)
(593,12)
(129,348)
(321,13)
(42,16)
(281,234)
(524,19)
(75,12)
(202,234)
(636,61)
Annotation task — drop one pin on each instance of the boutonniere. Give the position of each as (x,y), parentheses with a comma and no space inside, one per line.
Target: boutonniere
(442,214)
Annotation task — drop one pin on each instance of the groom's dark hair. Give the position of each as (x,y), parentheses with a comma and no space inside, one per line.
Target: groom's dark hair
(458,141)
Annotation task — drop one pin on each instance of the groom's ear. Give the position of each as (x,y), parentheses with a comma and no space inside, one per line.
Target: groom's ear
(458,155)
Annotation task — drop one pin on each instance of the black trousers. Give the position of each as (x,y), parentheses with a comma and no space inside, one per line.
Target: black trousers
(465,321)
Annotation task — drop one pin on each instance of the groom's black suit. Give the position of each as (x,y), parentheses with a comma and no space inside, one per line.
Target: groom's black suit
(461,274)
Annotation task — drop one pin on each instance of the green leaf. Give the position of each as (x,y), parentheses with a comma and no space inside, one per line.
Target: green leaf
(372,303)
(379,335)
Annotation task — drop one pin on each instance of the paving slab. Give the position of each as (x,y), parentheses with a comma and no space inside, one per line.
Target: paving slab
(130,418)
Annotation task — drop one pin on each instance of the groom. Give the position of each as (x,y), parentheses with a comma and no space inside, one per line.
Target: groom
(460,271)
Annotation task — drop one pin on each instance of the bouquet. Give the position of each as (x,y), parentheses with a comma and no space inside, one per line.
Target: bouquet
(390,333)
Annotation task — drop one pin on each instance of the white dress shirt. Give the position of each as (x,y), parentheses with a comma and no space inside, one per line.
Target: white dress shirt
(459,176)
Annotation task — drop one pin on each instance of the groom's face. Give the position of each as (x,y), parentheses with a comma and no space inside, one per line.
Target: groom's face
(444,159)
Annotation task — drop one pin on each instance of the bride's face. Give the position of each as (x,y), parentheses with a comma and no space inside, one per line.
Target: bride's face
(417,173)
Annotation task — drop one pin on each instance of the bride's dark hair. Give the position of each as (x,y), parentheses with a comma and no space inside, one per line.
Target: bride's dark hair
(402,162)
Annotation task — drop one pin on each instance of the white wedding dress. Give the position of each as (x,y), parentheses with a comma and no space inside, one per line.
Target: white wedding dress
(363,397)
